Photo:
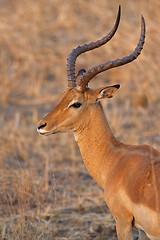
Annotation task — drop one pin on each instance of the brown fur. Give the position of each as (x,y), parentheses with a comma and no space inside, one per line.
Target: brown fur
(129,175)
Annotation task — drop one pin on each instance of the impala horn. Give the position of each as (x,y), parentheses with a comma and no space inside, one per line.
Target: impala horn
(85,48)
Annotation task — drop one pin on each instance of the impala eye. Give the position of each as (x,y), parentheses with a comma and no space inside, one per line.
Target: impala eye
(76,105)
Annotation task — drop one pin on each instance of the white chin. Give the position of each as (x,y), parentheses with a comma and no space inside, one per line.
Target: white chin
(41,131)
(44,132)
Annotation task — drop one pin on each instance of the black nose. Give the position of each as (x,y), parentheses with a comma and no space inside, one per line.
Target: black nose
(42,126)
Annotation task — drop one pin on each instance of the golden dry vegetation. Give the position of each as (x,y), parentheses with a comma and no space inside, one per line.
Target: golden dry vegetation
(45,190)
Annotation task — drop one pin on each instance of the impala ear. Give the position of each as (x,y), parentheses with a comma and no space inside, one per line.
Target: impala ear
(106,92)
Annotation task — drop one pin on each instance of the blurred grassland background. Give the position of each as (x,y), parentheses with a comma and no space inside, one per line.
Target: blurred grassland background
(45,190)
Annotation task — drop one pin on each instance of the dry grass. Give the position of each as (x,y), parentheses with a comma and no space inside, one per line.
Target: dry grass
(45,190)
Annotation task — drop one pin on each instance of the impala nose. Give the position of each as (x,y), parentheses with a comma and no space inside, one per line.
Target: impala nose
(42,126)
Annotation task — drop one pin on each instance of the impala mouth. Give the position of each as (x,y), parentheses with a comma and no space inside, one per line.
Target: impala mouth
(46,133)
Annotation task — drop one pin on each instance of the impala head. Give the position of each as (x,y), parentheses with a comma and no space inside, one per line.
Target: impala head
(73,111)
(78,101)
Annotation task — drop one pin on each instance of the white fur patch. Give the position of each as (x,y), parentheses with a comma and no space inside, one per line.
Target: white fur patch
(71,103)
(41,130)
(75,137)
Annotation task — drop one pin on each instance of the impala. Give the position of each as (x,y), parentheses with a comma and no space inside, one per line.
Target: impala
(129,175)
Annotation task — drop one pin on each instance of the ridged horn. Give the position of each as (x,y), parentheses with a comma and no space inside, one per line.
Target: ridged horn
(87,47)
(90,73)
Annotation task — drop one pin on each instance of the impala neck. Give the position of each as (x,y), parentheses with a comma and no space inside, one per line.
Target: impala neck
(97,145)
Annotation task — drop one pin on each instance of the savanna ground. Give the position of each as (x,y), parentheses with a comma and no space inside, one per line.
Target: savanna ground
(45,190)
